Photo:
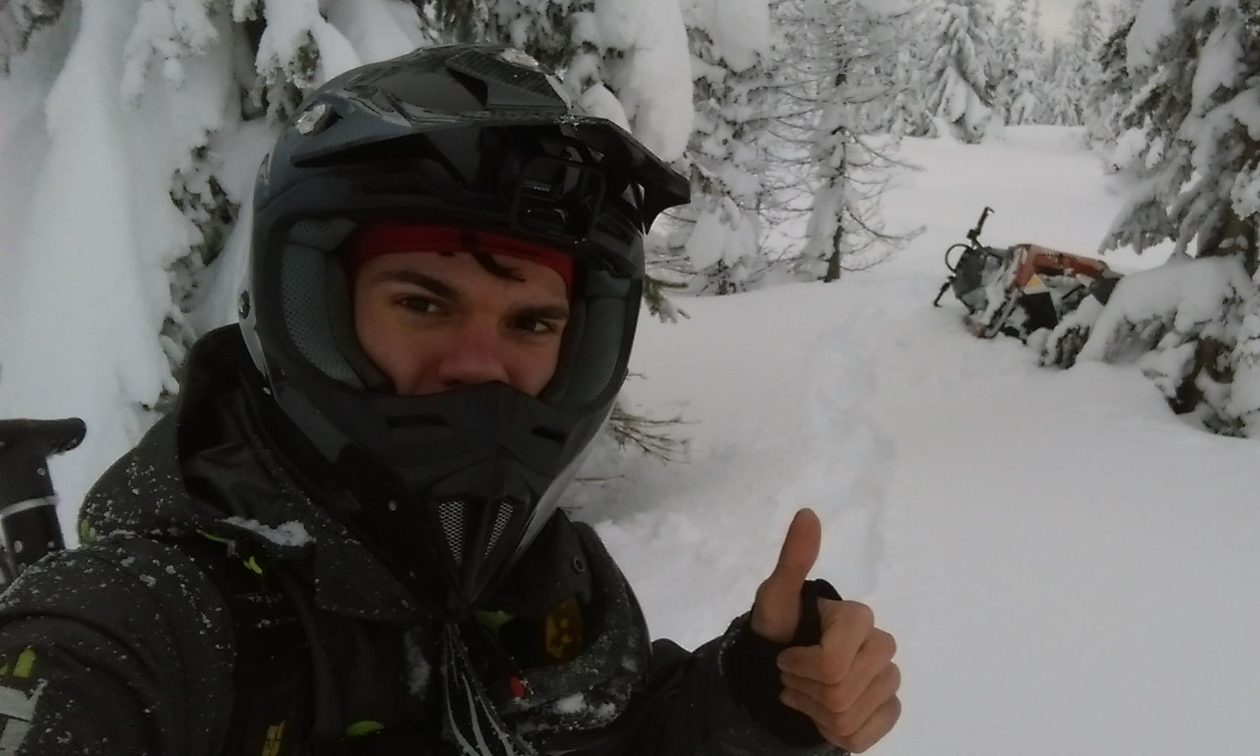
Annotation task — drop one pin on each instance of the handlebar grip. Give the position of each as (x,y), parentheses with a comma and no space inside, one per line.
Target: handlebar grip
(56,436)
(25,446)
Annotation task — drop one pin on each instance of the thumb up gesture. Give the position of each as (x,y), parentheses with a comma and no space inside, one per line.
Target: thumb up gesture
(847,683)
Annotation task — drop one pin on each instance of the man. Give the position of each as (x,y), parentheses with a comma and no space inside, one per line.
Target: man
(345,540)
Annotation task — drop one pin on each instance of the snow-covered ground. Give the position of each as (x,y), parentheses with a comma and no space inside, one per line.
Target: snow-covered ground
(1068,567)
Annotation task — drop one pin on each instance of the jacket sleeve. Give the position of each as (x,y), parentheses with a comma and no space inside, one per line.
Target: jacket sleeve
(697,705)
(116,649)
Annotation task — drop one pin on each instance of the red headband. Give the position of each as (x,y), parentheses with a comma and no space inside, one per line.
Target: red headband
(387,237)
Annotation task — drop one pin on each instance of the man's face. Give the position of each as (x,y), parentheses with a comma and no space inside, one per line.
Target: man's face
(434,322)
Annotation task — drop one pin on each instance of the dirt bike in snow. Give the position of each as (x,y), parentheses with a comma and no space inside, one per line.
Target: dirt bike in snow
(1021,289)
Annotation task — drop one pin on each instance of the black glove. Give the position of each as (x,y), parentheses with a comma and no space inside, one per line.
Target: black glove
(754,677)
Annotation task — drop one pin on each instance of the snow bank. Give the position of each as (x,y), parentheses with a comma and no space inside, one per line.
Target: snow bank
(1192,298)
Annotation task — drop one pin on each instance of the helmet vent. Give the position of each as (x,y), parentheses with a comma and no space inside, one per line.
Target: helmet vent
(453,515)
(508,85)
(501,520)
(416,421)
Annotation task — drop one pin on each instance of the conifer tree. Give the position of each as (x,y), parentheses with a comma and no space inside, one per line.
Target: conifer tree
(1011,53)
(720,231)
(959,89)
(852,46)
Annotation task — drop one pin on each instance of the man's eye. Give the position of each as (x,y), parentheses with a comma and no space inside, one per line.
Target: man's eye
(536,326)
(422,305)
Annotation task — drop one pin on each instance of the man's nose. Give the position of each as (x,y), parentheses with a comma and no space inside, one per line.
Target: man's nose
(475,356)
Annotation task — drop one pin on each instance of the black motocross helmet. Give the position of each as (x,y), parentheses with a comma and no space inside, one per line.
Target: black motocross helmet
(449,488)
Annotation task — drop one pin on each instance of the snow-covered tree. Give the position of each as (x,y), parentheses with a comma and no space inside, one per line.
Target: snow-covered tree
(1036,38)
(20,20)
(1060,106)
(721,229)
(1179,323)
(905,111)
(1121,13)
(132,130)
(1194,120)
(625,60)
(959,86)
(1026,108)
(1074,70)
(1198,65)
(853,44)
(1108,98)
(1010,57)
(1086,37)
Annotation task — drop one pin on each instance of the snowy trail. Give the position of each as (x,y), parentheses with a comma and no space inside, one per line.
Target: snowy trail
(1034,574)
(1014,526)
(1066,564)
(714,515)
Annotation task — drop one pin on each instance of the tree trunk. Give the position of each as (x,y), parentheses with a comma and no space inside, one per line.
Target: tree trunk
(833,262)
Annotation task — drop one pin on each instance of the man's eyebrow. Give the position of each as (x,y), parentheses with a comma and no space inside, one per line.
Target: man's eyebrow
(435,285)
(446,291)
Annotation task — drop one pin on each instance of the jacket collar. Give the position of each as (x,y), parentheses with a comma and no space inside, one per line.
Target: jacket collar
(204,471)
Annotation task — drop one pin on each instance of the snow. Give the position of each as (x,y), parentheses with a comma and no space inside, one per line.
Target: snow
(1244,401)
(291,26)
(73,337)
(1129,147)
(723,233)
(740,29)
(285,534)
(571,704)
(377,29)
(1064,562)
(1246,193)
(1156,19)
(1220,64)
(1188,296)
(652,79)
(1041,543)
(166,30)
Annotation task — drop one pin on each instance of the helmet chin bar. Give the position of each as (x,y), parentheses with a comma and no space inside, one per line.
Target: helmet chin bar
(468,532)
(473,521)
(465,490)
(476,538)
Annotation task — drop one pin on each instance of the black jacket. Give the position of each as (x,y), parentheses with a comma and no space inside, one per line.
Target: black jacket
(132,645)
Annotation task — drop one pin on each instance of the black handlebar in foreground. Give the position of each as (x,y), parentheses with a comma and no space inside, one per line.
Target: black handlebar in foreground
(28,503)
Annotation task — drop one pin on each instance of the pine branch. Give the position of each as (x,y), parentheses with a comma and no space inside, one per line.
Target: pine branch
(646,434)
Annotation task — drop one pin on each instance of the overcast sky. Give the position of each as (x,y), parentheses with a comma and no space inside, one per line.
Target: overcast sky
(1054,15)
